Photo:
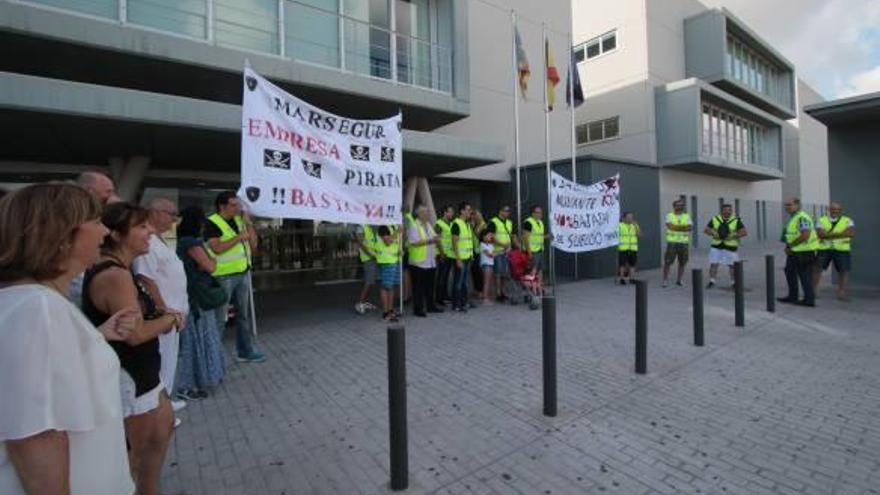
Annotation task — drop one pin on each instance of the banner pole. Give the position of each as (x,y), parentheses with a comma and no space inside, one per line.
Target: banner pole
(516,123)
(252,307)
(549,221)
(574,176)
(400,238)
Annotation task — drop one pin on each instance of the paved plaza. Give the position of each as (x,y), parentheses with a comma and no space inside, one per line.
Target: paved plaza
(788,405)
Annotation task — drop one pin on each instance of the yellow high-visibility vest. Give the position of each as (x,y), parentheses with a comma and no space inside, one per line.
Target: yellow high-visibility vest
(844,244)
(733,221)
(370,240)
(418,254)
(628,233)
(792,232)
(536,235)
(503,229)
(445,237)
(465,239)
(235,259)
(387,254)
(675,236)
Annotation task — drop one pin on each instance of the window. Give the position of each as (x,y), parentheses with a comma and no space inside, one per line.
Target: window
(596,46)
(731,137)
(752,69)
(597,130)
(100,8)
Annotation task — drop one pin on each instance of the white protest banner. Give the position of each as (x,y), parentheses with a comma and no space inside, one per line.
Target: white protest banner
(584,218)
(298,161)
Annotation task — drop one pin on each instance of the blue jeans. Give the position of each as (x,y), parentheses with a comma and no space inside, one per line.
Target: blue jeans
(460,284)
(238,290)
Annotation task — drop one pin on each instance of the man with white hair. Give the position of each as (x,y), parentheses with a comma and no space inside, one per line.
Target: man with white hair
(162,268)
(100,185)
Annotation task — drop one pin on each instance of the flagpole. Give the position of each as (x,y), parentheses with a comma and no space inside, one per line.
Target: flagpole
(516,122)
(571,114)
(549,221)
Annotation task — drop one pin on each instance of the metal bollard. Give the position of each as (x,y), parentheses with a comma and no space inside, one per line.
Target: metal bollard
(548,332)
(397,407)
(738,299)
(770,262)
(641,327)
(697,283)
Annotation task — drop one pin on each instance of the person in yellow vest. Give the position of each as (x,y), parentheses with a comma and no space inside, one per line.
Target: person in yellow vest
(366,238)
(534,234)
(801,244)
(388,254)
(628,248)
(503,240)
(725,229)
(835,232)
(463,250)
(231,238)
(445,255)
(422,259)
(678,239)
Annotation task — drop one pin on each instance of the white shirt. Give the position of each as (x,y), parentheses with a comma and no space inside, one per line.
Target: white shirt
(163,266)
(485,259)
(60,374)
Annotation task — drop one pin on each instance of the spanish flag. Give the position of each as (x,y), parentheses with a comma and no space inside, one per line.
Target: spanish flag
(552,75)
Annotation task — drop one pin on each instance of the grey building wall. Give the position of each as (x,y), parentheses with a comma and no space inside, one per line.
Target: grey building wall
(639,193)
(853,150)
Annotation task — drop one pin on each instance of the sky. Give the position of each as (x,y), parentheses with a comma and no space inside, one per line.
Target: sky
(834,44)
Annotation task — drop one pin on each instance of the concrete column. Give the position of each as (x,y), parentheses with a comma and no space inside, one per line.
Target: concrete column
(409,194)
(129,175)
(425,195)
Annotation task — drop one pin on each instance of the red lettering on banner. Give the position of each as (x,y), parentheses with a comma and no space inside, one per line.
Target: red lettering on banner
(268,130)
(325,201)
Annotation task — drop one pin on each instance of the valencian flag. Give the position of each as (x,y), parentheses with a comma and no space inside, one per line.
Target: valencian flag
(578,89)
(522,63)
(552,75)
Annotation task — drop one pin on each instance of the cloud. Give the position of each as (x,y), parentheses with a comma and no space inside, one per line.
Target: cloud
(861,83)
(834,44)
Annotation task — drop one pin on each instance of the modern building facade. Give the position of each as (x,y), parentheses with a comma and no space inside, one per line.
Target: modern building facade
(853,126)
(696,93)
(149,90)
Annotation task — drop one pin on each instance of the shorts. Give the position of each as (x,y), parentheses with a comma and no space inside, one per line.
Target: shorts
(389,275)
(722,257)
(501,265)
(133,406)
(487,266)
(842,260)
(370,272)
(676,250)
(537,261)
(627,258)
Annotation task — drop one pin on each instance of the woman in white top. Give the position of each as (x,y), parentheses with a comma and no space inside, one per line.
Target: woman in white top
(61,428)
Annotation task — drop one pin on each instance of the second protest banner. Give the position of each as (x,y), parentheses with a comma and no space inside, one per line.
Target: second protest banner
(584,218)
(299,161)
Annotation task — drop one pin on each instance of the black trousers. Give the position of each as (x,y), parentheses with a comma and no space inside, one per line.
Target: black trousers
(444,269)
(799,267)
(422,288)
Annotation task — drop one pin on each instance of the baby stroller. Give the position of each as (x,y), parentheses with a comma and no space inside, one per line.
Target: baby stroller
(523,286)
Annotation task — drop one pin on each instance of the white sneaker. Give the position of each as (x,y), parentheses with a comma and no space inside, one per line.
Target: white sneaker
(360,308)
(177,422)
(369,306)
(178,405)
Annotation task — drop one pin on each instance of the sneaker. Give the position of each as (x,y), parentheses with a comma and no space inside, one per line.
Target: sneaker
(253,357)
(360,308)
(188,395)
(665,284)
(679,283)
(177,422)
(621,281)
(710,284)
(369,306)
(178,405)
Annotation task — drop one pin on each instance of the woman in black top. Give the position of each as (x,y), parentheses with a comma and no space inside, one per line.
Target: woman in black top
(108,287)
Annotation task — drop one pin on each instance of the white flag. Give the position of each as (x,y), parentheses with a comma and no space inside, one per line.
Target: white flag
(298,161)
(584,218)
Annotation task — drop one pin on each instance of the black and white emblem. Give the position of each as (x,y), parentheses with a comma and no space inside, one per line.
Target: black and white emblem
(251,82)
(253,193)
(276,159)
(312,168)
(387,154)
(360,152)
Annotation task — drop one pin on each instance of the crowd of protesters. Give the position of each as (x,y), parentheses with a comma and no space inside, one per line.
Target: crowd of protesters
(107,331)
(457,261)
